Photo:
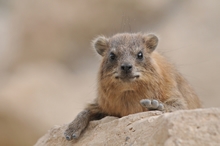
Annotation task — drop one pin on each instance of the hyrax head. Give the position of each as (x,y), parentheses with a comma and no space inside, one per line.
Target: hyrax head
(126,57)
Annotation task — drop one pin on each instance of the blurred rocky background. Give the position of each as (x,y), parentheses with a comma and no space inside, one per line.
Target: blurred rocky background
(48,69)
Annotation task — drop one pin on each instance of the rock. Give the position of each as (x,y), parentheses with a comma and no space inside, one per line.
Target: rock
(186,127)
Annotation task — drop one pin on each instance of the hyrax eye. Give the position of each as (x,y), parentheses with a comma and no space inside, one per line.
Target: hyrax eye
(140,55)
(112,56)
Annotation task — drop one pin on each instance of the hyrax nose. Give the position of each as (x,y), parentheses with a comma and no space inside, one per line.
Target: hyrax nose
(126,67)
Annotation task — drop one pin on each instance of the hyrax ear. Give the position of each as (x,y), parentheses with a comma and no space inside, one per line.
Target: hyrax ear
(150,41)
(101,44)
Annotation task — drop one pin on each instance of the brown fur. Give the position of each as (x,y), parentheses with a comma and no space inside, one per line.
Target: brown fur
(119,94)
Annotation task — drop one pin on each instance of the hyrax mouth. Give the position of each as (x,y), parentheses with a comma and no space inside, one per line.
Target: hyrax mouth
(127,78)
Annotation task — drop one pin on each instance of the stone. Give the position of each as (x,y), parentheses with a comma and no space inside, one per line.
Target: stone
(185,127)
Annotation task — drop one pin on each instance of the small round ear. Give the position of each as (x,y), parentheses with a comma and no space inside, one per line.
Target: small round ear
(150,41)
(100,44)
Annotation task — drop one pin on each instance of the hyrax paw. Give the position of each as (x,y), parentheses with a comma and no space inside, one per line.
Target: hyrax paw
(152,104)
(72,133)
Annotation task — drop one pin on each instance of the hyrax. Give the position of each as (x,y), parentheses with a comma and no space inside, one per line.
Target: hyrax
(133,78)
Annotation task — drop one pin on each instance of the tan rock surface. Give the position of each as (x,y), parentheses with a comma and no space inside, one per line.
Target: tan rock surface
(190,127)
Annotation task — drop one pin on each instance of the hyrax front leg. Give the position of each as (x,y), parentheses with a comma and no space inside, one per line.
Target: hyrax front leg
(169,105)
(74,129)
(152,104)
(77,125)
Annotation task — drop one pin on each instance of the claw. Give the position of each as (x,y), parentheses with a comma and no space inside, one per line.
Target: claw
(75,136)
(68,138)
(145,102)
(155,104)
(160,107)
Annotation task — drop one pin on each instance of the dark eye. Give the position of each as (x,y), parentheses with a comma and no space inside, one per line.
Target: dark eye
(112,56)
(140,55)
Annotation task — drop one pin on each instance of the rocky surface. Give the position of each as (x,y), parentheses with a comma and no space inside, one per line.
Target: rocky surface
(190,127)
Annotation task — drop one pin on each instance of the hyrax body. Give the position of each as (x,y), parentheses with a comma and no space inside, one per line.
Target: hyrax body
(133,78)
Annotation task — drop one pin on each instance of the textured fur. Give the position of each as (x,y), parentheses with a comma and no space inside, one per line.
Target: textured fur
(151,77)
